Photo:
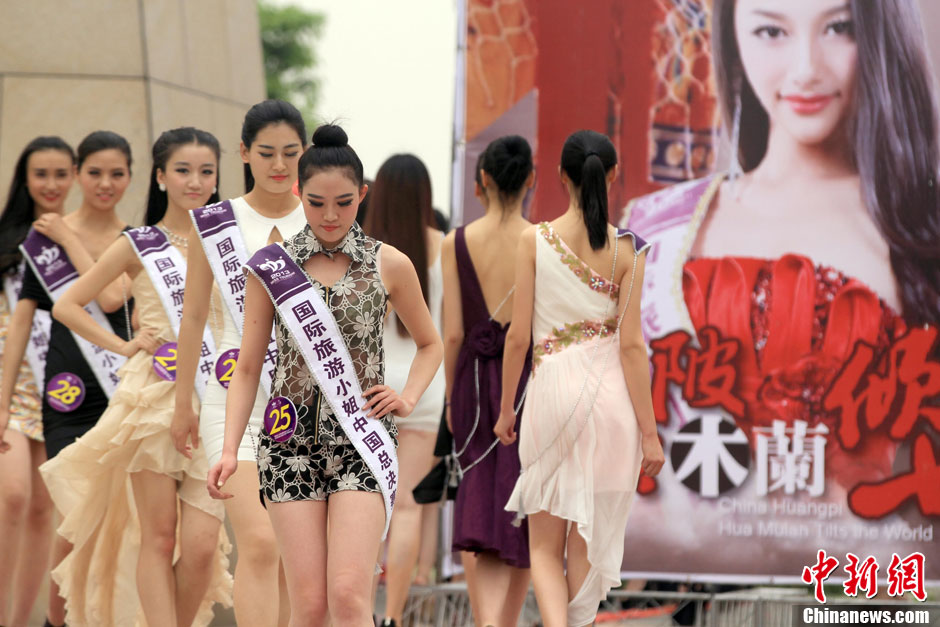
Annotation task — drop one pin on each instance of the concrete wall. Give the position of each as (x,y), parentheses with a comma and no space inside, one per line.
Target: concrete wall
(137,67)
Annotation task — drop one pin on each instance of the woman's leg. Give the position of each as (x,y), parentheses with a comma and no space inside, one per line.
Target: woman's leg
(199,541)
(469,562)
(547,550)
(495,582)
(33,561)
(427,554)
(515,597)
(300,528)
(577,562)
(15,489)
(256,590)
(415,460)
(155,496)
(356,523)
(55,612)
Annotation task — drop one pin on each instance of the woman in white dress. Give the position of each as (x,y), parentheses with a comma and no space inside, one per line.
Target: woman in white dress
(273,137)
(400,214)
(588,419)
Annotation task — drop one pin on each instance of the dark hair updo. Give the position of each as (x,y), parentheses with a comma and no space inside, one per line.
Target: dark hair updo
(103,140)
(19,212)
(163,149)
(264,114)
(330,149)
(508,161)
(586,158)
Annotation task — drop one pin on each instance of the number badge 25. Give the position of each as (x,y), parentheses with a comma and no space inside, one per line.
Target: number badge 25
(280,418)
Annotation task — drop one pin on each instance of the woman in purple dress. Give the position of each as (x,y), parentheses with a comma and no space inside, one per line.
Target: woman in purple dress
(480,259)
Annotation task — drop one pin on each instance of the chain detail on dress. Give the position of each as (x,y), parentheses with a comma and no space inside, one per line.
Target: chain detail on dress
(461,470)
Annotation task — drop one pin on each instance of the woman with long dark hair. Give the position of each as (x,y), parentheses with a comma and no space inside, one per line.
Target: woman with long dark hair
(127,461)
(273,137)
(400,214)
(588,422)
(42,177)
(77,379)
(820,240)
(478,261)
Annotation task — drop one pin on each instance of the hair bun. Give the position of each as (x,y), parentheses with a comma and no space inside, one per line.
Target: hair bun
(330,136)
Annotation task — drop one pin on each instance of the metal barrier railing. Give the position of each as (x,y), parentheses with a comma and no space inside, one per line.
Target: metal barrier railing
(448,605)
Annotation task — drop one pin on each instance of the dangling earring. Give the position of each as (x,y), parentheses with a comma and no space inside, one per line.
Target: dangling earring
(734,168)
(162,186)
(215,189)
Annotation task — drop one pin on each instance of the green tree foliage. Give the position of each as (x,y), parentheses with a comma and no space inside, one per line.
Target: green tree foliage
(288,36)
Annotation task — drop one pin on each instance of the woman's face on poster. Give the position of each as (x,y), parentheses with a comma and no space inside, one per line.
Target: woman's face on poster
(800,57)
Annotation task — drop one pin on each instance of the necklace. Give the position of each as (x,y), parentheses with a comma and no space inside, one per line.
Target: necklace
(175,239)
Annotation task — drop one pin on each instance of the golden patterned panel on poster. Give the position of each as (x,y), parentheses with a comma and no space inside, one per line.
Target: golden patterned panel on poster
(501,55)
(683,115)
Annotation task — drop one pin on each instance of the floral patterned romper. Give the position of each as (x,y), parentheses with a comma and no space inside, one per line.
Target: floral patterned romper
(319,460)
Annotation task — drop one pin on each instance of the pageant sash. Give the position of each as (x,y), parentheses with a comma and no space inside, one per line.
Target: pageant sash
(166,268)
(314,329)
(39,333)
(56,273)
(669,220)
(225,248)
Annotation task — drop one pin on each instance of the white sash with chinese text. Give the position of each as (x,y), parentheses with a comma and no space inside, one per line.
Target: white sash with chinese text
(167,271)
(56,273)
(314,329)
(38,334)
(226,252)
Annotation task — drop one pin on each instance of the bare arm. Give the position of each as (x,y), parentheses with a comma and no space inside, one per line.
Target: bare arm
(259,318)
(519,335)
(452,317)
(111,296)
(404,294)
(13,350)
(196,303)
(634,357)
(70,309)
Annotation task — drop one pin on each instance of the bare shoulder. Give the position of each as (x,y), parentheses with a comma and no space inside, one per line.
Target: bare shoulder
(394,265)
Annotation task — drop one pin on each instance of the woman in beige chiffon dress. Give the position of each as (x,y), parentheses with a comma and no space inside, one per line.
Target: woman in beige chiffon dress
(588,424)
(126,470)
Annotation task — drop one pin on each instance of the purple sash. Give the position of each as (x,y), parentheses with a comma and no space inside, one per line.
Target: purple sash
(38,334)
(167,271)
(56,273)
(226,252)
(314,329)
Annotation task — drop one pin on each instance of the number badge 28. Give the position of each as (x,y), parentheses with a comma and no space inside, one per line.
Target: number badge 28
(164,361)
(65,392)
(280,418)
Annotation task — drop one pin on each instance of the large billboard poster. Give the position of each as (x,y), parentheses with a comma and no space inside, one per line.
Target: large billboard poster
(794,352)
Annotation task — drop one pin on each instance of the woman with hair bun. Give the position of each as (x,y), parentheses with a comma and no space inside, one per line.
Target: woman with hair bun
(588,424)
(479,262)
(327,453)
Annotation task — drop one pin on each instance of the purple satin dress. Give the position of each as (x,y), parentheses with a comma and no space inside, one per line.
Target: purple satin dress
(481,524)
